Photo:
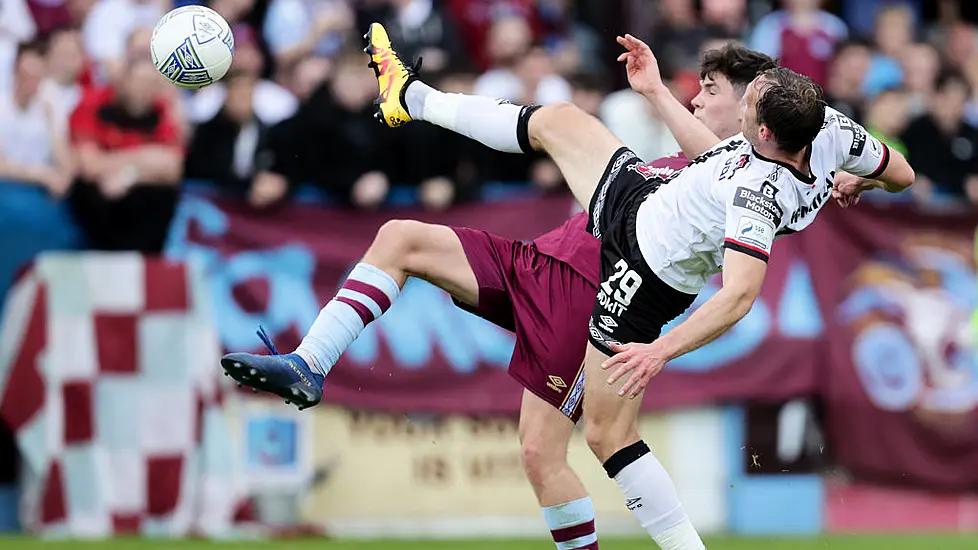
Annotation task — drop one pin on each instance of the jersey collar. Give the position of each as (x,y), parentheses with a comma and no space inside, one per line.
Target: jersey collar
(809,178)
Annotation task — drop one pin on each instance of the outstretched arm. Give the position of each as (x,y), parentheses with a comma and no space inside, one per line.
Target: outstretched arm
(895,178)
(870,163)
(643,75)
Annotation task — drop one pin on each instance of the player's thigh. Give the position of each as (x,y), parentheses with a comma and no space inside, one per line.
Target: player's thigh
(610,420)
(430,252)
(578,142)
(545,431)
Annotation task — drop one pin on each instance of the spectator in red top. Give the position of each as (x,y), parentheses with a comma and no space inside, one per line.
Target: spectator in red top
(130,158)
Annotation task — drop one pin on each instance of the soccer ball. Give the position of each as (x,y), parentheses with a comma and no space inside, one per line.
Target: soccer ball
(192,46)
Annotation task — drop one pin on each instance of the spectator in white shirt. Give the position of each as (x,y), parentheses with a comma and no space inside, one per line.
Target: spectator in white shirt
(272,102)
(297,28)
(16,26)
(32,150)
(65,65)
(520,73)
(109,25)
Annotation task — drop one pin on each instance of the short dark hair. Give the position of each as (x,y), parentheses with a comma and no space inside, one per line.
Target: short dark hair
(740,65)
(948,76)
(35,47)
(792,107)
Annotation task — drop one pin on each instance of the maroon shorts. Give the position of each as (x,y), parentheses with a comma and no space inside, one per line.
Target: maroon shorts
(545,303)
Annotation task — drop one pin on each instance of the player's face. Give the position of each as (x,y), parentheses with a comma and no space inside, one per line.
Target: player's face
(718,106)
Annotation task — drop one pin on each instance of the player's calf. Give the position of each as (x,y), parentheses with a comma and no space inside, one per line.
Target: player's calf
(544,437)
(611,432)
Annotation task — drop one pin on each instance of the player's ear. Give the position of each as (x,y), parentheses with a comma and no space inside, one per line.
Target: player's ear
(765,133)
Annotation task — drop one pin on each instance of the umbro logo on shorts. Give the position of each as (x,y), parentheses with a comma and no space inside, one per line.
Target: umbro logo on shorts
(608,323)
(600,336)
(556,383)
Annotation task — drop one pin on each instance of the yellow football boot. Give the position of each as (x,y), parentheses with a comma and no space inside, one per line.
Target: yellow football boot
(393,77)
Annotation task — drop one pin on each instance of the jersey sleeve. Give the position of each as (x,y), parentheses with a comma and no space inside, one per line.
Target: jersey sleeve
(753,216)
(861,153)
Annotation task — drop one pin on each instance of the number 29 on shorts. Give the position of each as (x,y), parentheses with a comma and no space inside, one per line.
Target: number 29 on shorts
(627,281)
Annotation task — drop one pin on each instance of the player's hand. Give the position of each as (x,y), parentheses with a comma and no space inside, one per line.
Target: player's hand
(845,201)
(643,360)
(846,188)
(641,66)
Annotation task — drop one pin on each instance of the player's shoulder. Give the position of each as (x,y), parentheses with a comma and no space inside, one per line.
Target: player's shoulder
(737,163)
(835,121)
(838,130)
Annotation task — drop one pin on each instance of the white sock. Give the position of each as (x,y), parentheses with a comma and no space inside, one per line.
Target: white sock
(651,496)
(491,122)
(572,524)
(367,293)
(680,537)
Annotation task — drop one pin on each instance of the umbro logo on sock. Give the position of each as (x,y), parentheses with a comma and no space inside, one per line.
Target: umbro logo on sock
(633,503)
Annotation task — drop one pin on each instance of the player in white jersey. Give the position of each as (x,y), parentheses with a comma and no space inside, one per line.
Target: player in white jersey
(734,197)
(642,289)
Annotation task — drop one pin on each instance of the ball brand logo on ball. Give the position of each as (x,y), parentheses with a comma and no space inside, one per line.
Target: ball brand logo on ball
(205,29)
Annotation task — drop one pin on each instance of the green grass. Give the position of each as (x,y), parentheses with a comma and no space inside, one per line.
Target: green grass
(892,542)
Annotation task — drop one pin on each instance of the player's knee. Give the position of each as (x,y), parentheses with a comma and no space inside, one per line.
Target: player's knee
(605,438)
(540,461)
(551,121)
(401,237)
(596,438)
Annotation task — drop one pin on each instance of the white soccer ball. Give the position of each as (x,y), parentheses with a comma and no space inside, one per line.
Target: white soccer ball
(192,46)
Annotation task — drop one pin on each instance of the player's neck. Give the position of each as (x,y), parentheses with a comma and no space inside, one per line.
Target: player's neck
(798,161)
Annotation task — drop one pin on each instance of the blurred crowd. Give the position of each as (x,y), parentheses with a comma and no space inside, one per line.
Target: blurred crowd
(86,116)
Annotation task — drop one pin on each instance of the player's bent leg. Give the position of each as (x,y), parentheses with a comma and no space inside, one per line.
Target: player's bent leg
(409,248)
(578,142)
(611,430)
(400,249)
(545,433)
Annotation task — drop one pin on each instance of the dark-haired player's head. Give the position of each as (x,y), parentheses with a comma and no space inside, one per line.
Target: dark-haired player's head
(784,109)
(725,74)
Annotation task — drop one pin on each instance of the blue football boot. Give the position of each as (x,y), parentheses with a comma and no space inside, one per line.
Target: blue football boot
(287,376)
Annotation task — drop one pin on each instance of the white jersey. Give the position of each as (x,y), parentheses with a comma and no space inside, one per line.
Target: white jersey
(731,197)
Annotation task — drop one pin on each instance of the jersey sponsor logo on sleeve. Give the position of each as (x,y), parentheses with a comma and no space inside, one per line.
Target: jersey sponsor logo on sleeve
(858,135)
(761,203)
(754,232)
